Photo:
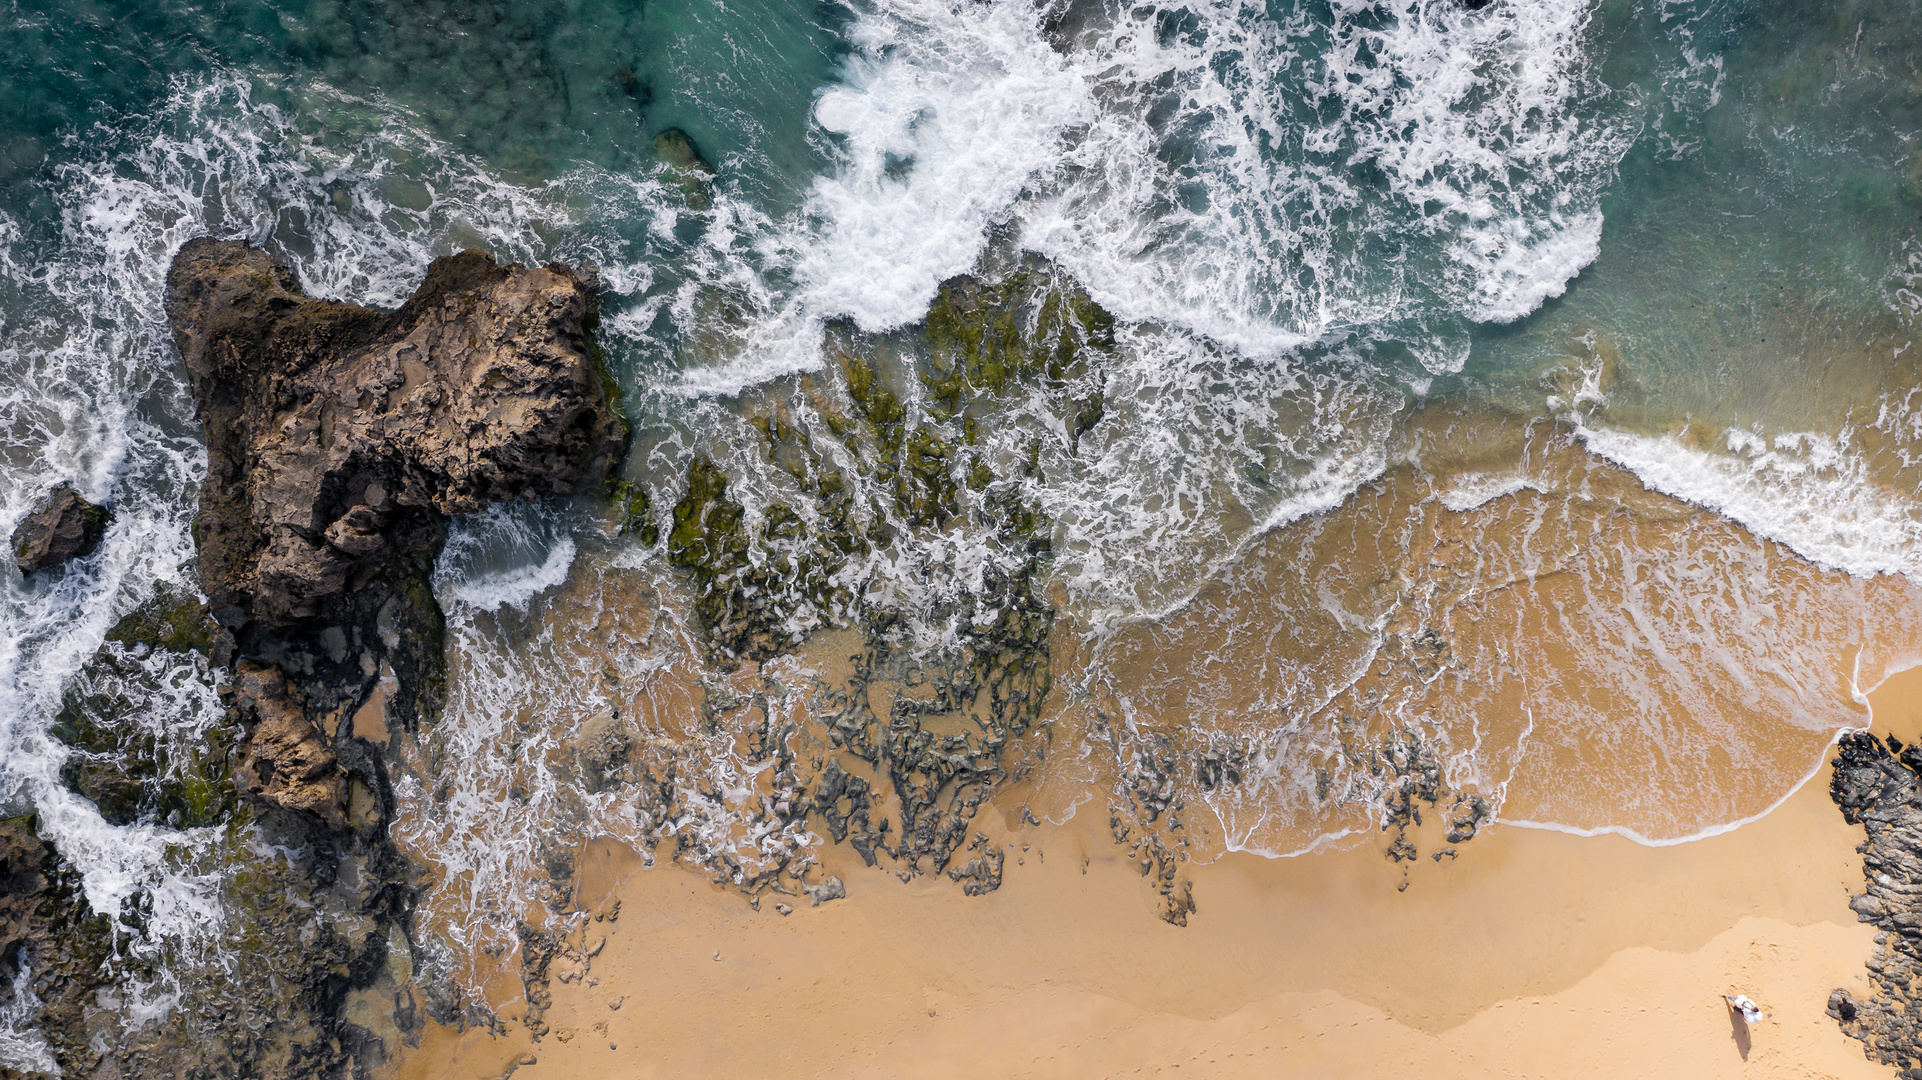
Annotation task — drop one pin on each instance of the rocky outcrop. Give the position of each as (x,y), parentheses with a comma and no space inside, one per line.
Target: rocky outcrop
(287,762)
(339,436)
(339,439)
(48,933)
(1878,787)
(67,527)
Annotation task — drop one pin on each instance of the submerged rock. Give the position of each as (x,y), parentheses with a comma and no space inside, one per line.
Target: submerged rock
(686,167)
(1877,787)
(67,527)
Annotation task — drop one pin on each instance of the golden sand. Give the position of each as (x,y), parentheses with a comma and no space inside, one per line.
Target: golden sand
(1533,954)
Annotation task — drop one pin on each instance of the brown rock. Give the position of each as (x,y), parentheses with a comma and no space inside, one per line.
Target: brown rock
(286,761)
(66,528)
(47,929)
(339,436)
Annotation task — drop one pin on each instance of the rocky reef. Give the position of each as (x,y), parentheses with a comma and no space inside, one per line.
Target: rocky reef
(1879,787)
(340,438)
(883,443)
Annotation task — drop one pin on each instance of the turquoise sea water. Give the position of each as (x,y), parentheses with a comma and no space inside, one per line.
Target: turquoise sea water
(1684,235)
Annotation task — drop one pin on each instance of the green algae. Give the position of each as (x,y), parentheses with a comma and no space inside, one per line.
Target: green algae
(761,585)
(913,433)
(174,619)
(688,170)
(636,508)
(1023,329)
(130,771)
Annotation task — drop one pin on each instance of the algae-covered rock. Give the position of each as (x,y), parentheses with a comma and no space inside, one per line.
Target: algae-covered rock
(636,509)
(737,600)
(174,620)
(134,747)
(881,460)
(988,335)
(65,527)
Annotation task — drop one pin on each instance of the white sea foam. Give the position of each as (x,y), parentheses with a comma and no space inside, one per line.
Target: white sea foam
(1182,163)
(1214,191)
(1815,493)
(1201,454)
(1470,490)
(503,557)
(23,1049)
(947,112)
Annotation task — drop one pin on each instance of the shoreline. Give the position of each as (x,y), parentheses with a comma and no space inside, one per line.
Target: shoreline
(1533,952)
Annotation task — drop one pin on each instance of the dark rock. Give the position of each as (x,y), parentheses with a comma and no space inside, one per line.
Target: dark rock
(1883,793)
(67,527)
(339,439)
(981,874)
(831,889)
(1470,813)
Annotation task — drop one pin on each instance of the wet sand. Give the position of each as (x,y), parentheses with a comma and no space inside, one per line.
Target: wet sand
(1532,954)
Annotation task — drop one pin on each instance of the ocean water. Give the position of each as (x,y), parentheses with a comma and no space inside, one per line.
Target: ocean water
(1526,393)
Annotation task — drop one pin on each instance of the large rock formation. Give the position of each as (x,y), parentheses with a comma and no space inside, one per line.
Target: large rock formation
(1878,787)
(339,438)
(67,527)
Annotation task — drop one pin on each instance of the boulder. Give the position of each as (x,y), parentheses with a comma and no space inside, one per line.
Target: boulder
(286,761)
(67,527)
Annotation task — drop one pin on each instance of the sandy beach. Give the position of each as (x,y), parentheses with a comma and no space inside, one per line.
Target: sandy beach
(1534,954)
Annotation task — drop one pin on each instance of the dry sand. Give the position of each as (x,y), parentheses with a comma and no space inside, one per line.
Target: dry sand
(1535,954)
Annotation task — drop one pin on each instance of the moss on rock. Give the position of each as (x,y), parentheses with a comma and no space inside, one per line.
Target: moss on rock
(174,619)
